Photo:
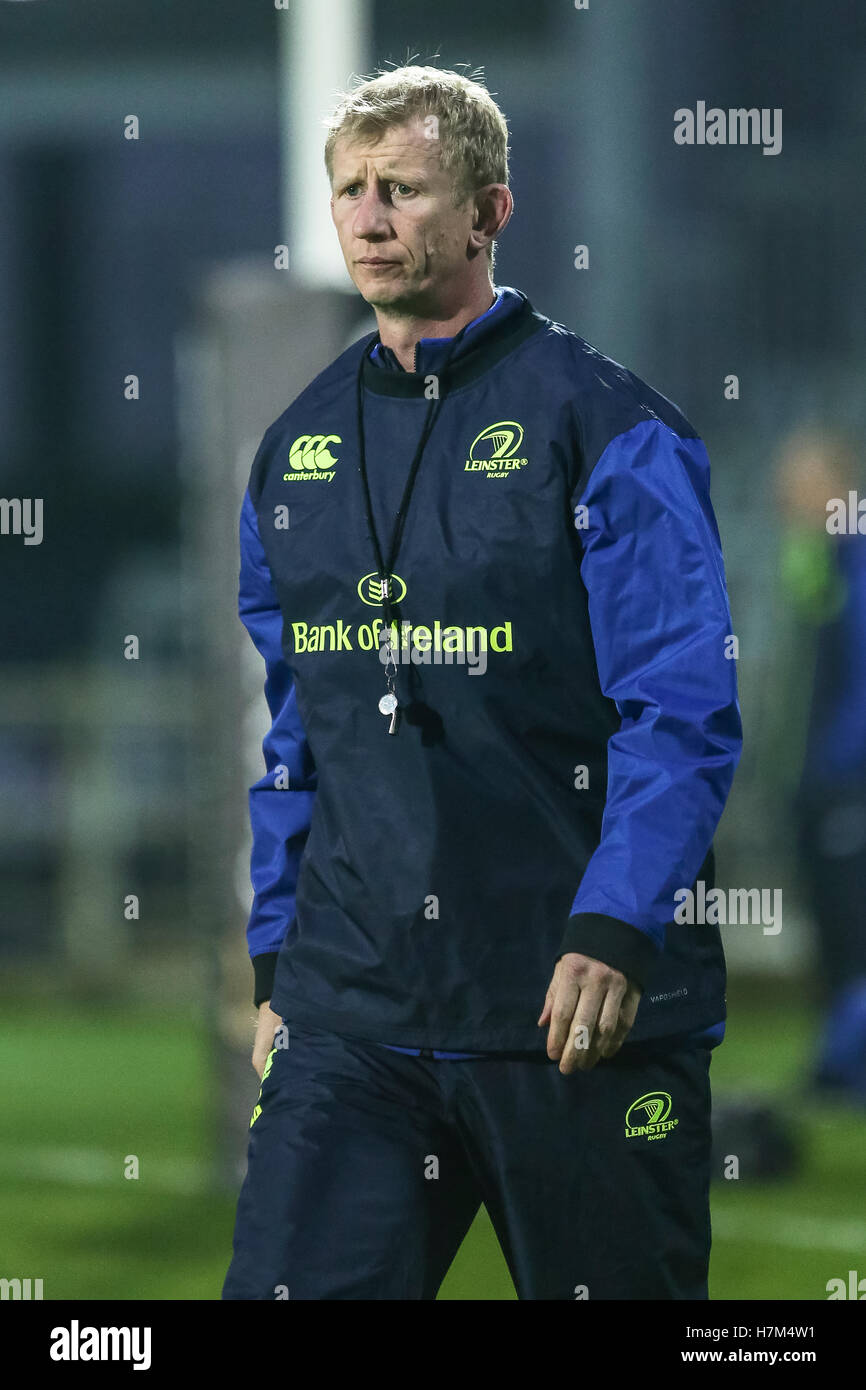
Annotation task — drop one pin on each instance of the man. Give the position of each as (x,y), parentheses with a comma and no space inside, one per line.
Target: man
(505,725)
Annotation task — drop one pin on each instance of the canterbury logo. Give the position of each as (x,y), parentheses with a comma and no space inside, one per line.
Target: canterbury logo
(310,451)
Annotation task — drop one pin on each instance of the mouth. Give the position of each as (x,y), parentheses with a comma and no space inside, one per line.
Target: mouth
(375,262)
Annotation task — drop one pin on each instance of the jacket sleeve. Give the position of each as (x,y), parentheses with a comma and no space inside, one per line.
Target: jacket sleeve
(280,802)
(658,607)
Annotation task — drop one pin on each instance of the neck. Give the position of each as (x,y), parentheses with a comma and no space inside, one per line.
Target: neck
(401,332)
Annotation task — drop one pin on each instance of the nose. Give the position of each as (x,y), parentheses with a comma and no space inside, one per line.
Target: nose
(371,221)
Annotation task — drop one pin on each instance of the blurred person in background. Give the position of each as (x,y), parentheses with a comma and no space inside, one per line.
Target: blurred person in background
(823,572)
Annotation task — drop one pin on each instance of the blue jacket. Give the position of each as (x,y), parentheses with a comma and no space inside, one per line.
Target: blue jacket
(570,719)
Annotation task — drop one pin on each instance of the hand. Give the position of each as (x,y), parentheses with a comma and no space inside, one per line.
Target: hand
(266,1027)
(590,1008)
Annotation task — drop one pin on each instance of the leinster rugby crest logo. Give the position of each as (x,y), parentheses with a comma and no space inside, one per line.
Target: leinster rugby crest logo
(495,452)
(647,1117)
(311,459)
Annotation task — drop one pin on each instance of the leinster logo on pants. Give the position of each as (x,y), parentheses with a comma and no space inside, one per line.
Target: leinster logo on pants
(647,1117)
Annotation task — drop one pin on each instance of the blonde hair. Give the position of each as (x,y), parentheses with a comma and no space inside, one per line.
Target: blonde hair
(472,131)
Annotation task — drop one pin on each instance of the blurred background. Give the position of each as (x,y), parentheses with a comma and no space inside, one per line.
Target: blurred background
(168,282)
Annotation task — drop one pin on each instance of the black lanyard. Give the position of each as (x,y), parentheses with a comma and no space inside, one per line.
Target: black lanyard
(386,569)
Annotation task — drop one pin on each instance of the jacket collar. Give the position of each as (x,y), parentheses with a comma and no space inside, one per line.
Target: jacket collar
(430,353)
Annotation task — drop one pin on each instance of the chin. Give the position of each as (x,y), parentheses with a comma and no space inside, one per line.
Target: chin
(383,296)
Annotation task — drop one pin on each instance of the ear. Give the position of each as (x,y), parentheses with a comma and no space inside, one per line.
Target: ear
(493,207)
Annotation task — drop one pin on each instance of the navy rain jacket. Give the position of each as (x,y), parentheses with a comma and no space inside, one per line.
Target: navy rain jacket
(570,722)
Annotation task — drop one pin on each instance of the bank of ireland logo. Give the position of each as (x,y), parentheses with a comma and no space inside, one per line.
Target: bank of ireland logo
(495,452)
(310,458)
(647,1117)
(370,589)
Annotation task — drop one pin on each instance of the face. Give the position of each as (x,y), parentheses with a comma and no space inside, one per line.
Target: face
(404,242)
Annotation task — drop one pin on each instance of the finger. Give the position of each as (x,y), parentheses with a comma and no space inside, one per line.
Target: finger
(632,1001)
(615,1043)
(627,1014)
(611,1016)
(582,1051)
(549,998)
(548,1006)
(629,1006)
(562,1013)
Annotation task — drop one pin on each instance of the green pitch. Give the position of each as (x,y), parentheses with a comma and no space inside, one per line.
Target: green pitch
(84,1088)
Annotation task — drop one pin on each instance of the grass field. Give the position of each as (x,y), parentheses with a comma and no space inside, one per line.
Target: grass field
(82,1088)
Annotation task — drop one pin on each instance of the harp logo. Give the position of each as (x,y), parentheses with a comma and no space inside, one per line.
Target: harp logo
(647,1117)
(494,452)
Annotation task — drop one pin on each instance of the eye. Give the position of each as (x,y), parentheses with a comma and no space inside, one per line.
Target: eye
(403,188)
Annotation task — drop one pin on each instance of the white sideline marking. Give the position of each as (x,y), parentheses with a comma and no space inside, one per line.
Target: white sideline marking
(187,1177)
(101,1168)
(791,1229)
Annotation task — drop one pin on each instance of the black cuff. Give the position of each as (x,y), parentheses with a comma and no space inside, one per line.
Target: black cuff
(616,943)
(264,967)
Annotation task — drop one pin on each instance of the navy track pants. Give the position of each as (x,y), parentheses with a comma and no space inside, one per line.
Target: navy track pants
(366,1168)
